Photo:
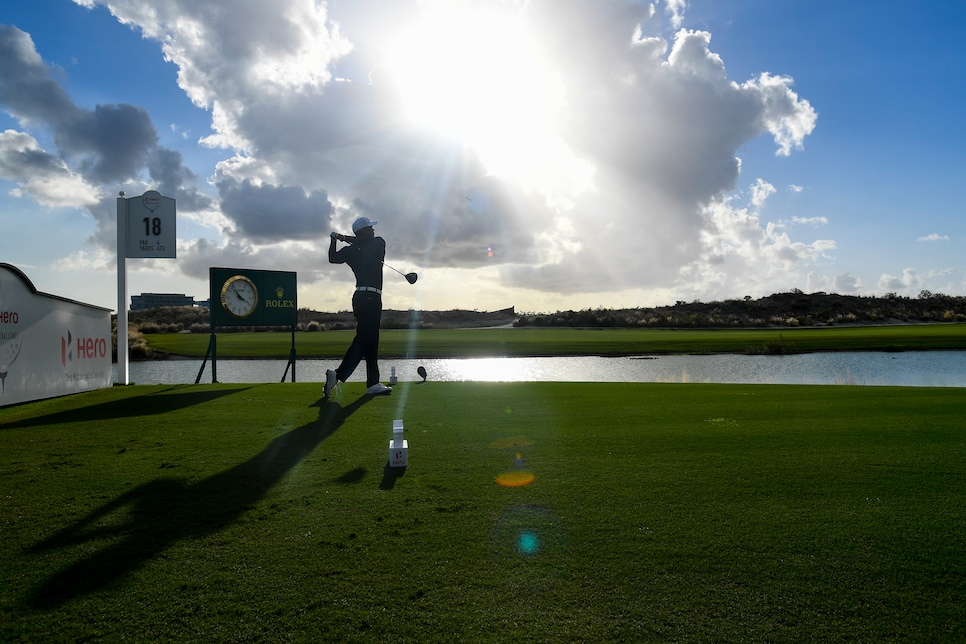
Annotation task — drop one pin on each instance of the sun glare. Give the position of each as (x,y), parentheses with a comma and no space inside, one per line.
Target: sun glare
(477,75)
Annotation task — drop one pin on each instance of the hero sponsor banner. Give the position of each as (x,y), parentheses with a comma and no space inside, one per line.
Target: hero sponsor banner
(49,346)
(247,297)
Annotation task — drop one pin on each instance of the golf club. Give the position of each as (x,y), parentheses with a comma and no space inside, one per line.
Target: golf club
(410,277)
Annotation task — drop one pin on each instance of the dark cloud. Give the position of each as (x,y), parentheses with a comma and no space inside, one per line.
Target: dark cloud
(26,88)
(200,255)
(269,213)
(17,160)
(39,175)
(173,178)
(111,143)
(108,147)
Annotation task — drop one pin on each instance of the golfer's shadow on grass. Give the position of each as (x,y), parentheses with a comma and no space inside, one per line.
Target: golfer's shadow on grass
(164,511)
(155,403)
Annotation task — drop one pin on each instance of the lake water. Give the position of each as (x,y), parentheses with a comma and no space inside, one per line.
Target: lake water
(909,369)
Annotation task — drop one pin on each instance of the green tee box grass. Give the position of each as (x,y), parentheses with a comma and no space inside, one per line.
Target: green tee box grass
(461,343)
(551,512)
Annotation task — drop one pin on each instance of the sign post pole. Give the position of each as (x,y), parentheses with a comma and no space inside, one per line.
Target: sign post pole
(122,346)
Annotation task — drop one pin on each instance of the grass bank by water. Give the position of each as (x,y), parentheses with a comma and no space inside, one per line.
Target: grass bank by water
(464,343)
(632,512)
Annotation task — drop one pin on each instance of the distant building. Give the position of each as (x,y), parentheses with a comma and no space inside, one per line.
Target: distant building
(146,301)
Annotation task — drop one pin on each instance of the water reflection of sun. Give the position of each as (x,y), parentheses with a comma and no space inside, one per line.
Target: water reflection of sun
(493,369)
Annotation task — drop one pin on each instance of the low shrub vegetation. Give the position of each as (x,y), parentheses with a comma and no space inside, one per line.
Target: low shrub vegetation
(794,309)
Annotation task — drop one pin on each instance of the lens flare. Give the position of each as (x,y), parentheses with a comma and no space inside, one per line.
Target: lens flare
(531,532)
(528,543)
(516,478)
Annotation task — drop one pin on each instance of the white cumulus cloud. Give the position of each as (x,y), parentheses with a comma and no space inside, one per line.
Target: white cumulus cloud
(638,192)
(40,176)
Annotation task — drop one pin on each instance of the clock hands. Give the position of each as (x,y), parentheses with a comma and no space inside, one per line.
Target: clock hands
(239,295)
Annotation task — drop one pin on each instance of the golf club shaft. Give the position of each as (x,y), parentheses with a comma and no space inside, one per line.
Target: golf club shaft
(395,269)
(352,240)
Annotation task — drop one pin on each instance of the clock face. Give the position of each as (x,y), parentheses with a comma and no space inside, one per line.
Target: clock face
(239,296)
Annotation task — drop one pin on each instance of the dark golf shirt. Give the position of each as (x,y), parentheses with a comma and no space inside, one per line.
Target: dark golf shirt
(365,259)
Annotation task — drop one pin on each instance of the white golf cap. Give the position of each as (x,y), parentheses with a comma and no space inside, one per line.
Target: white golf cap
(362,222)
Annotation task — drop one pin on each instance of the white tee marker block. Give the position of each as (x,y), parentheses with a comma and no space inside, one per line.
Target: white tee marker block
(398,446)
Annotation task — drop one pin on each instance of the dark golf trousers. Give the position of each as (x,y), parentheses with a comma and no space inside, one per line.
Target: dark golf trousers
(367,309)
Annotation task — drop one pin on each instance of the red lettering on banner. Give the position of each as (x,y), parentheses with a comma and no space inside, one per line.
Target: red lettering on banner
(9,317)
(88,348)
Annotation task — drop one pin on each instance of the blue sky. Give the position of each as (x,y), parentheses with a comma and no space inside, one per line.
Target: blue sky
(546,155)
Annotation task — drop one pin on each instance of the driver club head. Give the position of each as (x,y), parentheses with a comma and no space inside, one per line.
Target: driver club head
(411,277)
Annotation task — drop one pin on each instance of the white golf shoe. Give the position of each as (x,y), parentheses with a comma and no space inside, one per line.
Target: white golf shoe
(331,381)
(379,389)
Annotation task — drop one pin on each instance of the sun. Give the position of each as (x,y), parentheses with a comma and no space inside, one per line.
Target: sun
(476,73)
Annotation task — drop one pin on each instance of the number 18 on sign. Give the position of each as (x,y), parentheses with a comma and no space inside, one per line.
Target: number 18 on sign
(151,230)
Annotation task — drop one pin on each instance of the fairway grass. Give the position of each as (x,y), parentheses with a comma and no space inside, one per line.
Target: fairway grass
(531,341)
(628,513)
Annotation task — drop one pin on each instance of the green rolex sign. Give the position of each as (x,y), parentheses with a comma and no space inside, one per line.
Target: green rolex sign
(246,297)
